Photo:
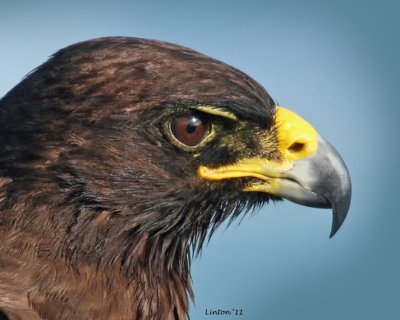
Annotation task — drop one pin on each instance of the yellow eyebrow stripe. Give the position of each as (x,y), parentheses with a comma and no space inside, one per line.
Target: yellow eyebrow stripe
(216,112)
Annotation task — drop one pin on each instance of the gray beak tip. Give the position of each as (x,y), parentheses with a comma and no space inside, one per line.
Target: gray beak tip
(341,206)
(340,211)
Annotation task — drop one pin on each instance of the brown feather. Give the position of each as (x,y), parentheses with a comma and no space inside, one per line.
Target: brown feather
(98,211)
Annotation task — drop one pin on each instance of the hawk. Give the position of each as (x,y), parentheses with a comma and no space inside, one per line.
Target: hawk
(120,157)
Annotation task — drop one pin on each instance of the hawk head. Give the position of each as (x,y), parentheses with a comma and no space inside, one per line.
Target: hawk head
(129,152)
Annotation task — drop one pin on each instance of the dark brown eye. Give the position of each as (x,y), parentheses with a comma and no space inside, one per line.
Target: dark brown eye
(189,130)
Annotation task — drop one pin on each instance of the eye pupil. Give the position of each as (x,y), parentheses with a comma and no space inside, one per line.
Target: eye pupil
(189,130)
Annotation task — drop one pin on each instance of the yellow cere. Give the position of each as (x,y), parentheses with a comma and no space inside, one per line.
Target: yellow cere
(216,112)
(296,137)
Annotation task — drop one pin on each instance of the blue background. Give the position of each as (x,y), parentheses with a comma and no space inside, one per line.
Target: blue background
(337,64)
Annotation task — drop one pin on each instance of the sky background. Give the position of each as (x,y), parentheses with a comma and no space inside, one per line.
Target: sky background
(336,63)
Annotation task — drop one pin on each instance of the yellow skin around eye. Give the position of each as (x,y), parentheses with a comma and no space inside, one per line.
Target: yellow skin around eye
(216,112)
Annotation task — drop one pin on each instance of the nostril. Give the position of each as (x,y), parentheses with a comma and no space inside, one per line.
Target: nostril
(296,147)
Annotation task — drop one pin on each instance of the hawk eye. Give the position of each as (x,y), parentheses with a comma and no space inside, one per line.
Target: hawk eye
(189,129)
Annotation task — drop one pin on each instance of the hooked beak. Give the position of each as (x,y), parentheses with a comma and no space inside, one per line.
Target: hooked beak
(310,173)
